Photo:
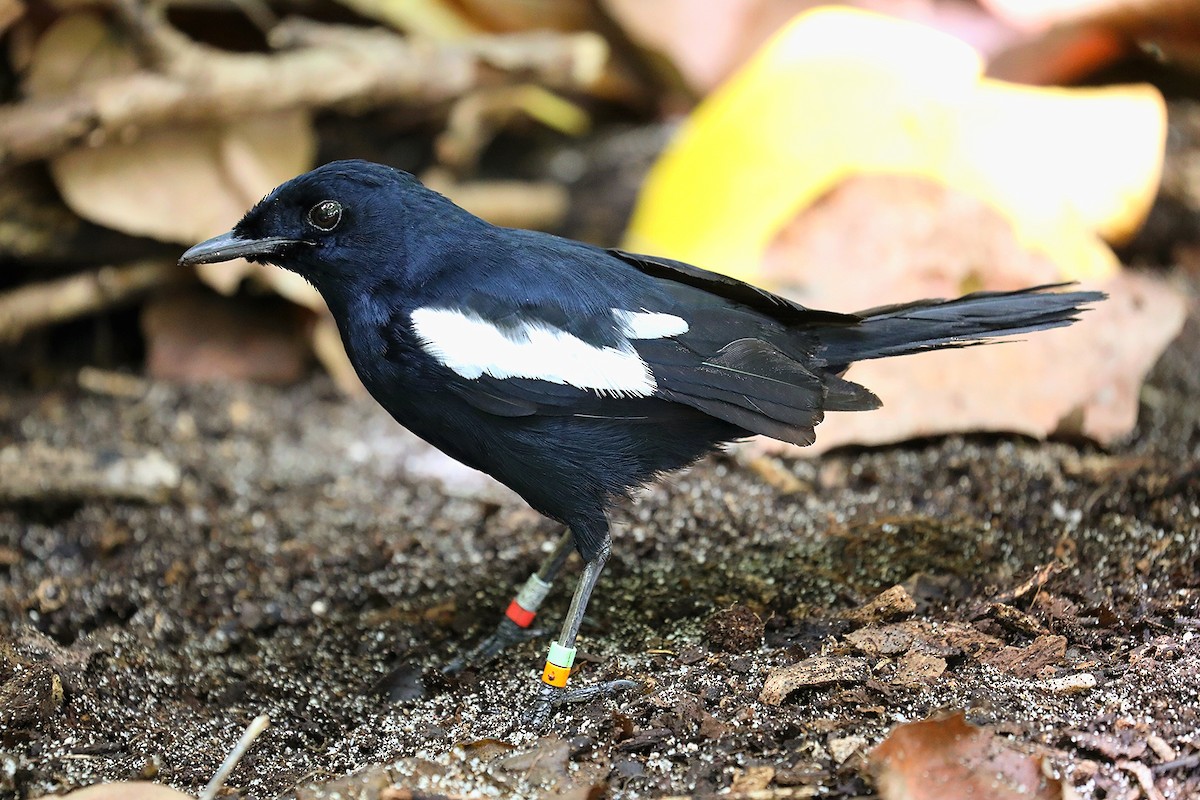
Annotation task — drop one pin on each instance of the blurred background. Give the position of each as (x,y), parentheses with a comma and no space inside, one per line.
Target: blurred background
(201,519)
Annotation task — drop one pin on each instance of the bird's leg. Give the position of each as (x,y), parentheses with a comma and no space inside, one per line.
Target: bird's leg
(562,652)
(515,628)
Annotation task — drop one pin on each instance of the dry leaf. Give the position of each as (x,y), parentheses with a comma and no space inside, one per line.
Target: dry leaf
(890,604)
(178,184)
(838,93)
(945,638)
(1066,40)
(10,12)
(707,41)
(1085,379)
(508,16)
(182,185)
(547,765)
(895,239)
(434,19)
(1028,661)
(752,779)
(1042,14)
(948,759)
(197,337)
(917,669)
(815,671)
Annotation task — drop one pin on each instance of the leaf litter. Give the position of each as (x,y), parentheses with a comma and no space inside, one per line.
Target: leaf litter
(321,572)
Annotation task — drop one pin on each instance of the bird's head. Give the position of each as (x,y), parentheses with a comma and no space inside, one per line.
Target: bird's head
(334,226)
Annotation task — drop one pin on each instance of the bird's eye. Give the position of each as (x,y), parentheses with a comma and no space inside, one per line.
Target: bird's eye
(325,215)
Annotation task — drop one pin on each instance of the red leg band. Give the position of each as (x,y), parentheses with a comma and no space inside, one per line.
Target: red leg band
(519,615)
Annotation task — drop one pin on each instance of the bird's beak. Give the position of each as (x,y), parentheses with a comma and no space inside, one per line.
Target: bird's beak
(228,246)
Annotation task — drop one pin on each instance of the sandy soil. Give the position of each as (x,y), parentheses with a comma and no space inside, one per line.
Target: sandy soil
(314,562)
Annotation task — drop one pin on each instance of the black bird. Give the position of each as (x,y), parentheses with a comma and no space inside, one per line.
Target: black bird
(571,373)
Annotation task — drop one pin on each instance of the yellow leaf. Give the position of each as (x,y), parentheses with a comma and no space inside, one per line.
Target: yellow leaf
(840,92)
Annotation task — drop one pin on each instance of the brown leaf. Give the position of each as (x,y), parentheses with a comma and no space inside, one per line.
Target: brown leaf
(177,184)
(545,761)
(918,669)
(949,759)
(705,41)
(547,765)
(432,19)
(1174,17)
(198,336)
(708,41)
(888,605)
(884,640)
(915,239)
(1015,619)
(521,15)
(815,671)
(10,12)
(942,639)
(122,790)
(1028,661)
(369,783)
(752,779)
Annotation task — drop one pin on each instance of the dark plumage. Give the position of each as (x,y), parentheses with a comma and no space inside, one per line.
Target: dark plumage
(568,372)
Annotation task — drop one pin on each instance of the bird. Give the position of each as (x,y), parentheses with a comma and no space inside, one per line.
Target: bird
(575,374)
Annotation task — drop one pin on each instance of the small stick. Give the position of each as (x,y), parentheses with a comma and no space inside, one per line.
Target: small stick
(40,304)
(329,66)
(253,730)
(1145,778)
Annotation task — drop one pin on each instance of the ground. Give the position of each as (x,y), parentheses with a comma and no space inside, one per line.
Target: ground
(299,555)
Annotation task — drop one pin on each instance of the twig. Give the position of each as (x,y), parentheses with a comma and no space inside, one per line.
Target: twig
(40,304)
(112,384)
(476,118)
(1187,762)
(331,67)
(252,732)
(41,473)
(1145,778)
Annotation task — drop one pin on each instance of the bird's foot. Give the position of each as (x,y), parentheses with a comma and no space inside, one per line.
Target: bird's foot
(507,634)
(551,697)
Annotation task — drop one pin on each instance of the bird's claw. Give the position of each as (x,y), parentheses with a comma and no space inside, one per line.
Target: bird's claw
(507,634)
(551,697)
(538,714)
(589,693)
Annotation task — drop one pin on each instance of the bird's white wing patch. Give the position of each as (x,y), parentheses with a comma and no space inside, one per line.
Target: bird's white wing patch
(649,324)
(471,346)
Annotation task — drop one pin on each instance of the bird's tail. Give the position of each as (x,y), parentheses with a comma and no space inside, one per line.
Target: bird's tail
(936,324)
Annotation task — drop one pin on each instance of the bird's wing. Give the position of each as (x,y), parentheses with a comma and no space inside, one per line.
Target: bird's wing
(749,357)
(526,359)
(780,309)
(725,351)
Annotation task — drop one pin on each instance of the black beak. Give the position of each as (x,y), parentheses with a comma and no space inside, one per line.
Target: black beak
(227,246)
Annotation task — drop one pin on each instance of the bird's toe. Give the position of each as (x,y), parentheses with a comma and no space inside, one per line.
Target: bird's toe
(506,635)
(550,698)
